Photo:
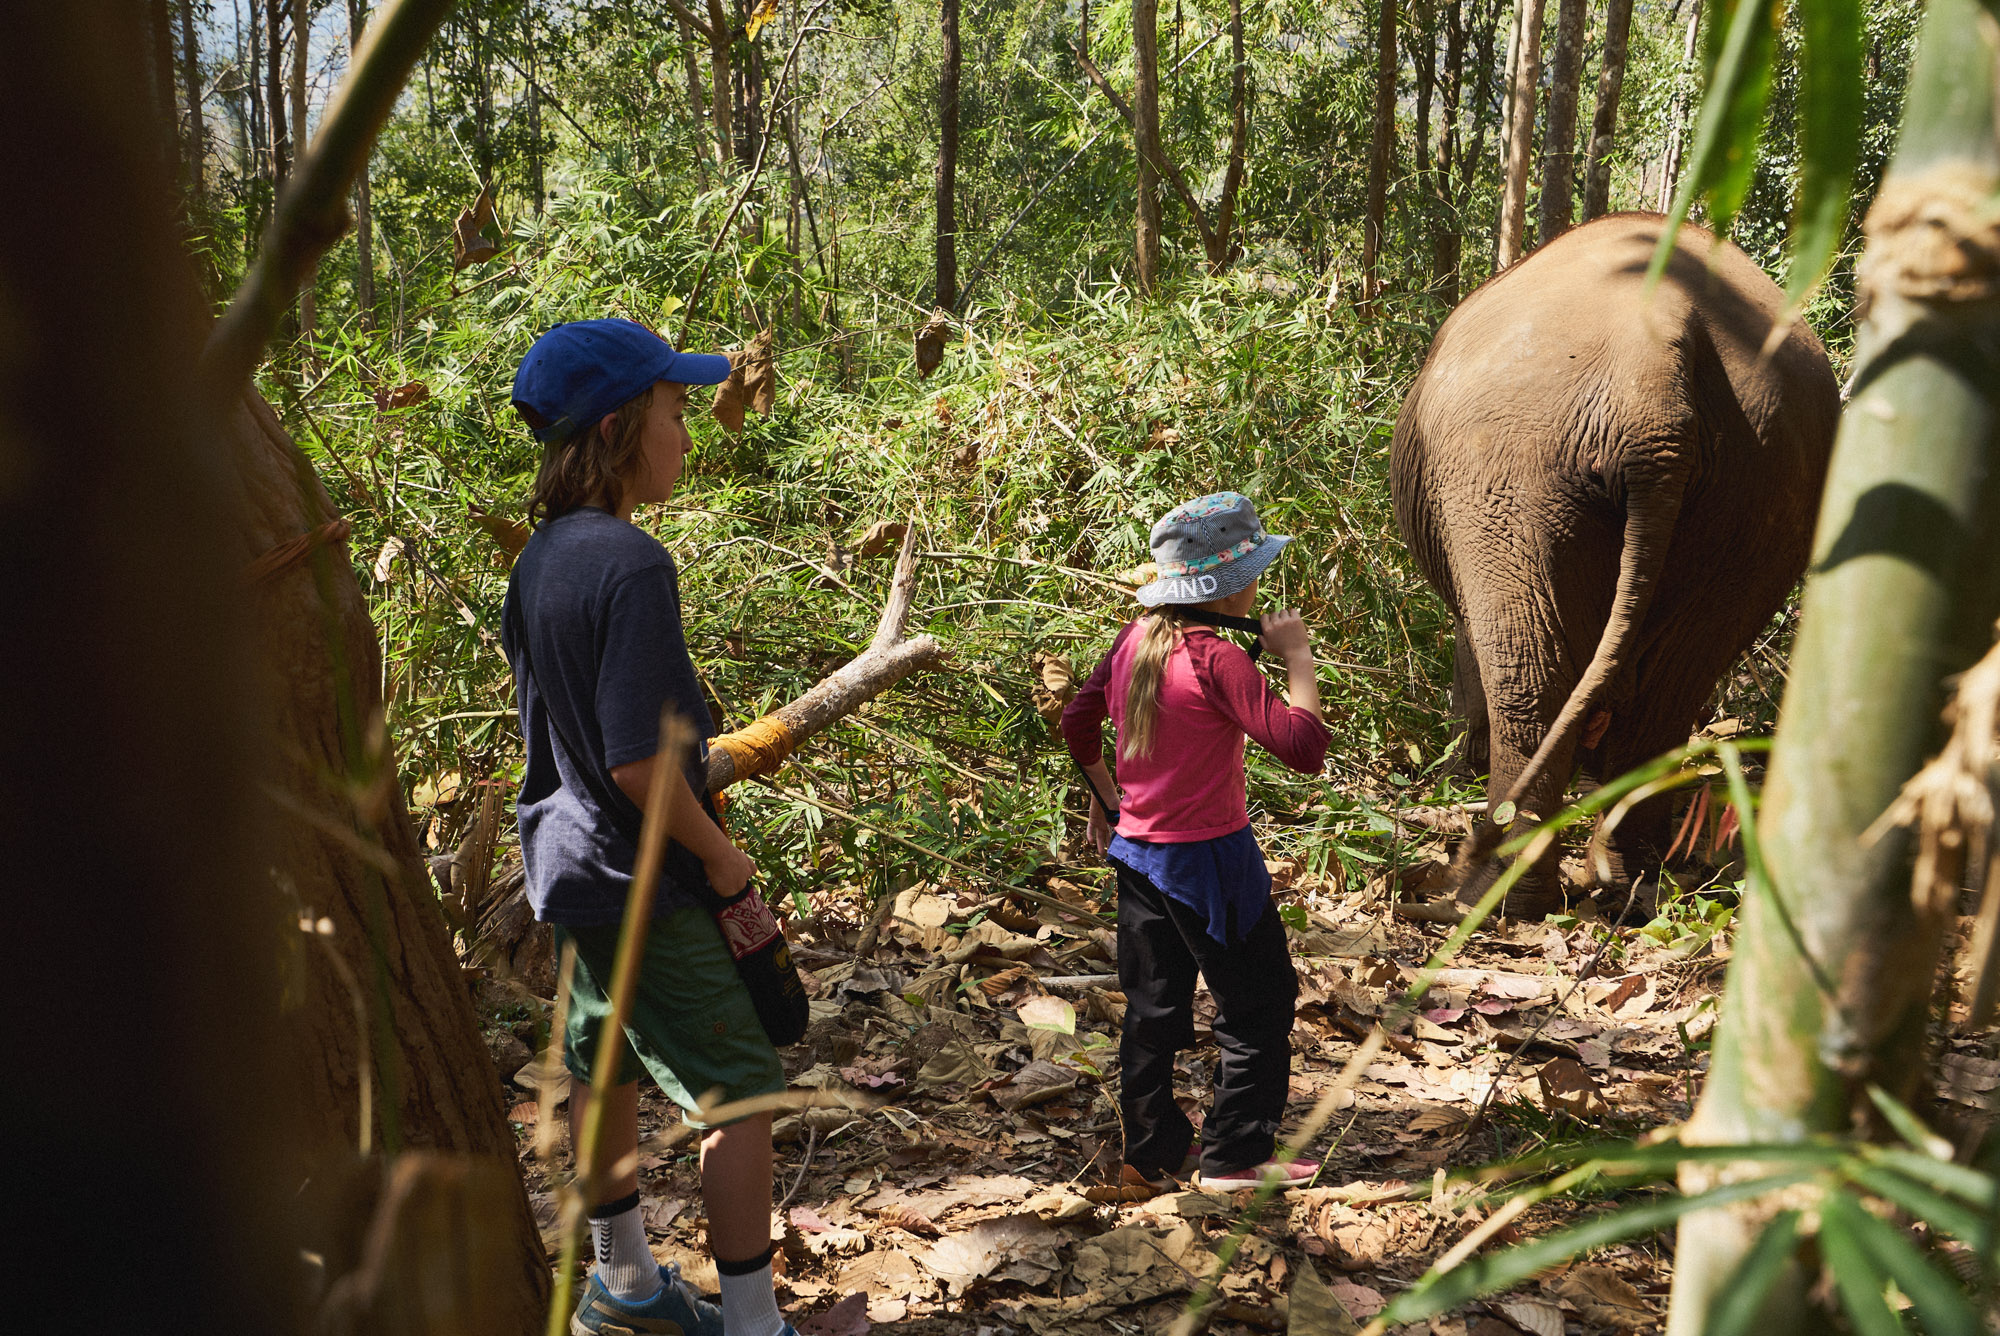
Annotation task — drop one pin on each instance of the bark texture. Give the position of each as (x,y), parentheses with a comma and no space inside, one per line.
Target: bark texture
(1559,134)
(947,164)
(1604,125)
(296,90)
(197,139)
(364,204)
(346,851)
(1381,150)
(1146,133)
(1520,131)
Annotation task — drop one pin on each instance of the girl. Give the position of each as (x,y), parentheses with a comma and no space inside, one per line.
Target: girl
(1193,893)
(593,631)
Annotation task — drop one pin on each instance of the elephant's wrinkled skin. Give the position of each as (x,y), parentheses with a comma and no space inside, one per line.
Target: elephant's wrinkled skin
(1613,497)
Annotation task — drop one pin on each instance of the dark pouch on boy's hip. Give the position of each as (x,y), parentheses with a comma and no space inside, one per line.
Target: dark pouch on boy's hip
(764,962)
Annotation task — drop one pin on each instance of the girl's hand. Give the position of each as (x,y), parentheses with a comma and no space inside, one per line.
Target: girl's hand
(1285,635)
(1099,827)
(729,869)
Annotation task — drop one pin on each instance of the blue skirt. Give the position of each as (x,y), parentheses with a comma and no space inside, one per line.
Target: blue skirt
(1223,879)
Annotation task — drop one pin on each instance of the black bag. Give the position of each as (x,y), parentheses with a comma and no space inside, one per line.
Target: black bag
(749,928)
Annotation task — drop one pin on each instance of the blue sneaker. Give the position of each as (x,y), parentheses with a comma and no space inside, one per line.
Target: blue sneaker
(677,1310)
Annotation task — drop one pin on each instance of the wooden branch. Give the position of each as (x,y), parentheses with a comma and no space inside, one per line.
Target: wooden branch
(888,659)
(686,15)
(312,213)
(1161,162)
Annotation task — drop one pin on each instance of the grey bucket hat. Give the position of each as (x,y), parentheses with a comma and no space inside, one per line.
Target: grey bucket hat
(1210,547)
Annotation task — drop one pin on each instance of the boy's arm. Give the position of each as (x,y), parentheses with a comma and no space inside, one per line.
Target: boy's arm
(729,868)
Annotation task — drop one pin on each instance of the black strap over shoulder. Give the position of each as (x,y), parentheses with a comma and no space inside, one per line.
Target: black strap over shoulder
(1223,621)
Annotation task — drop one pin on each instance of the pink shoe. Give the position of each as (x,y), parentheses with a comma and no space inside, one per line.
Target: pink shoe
(1296,1174)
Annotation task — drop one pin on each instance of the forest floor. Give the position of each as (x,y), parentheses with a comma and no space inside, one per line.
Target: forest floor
(971,1196)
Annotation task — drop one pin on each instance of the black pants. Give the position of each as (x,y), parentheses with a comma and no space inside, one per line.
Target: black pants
(1162,945)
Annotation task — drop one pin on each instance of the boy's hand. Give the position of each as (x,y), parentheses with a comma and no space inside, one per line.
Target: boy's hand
(729,869)
(1285,635)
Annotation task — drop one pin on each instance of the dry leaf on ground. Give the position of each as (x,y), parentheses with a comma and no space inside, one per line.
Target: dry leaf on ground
(849,1317)
(1313,1309)
(1014,1247)
(1603,1298)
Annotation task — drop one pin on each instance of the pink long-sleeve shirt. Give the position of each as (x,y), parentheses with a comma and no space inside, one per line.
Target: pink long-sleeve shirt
(1190,786)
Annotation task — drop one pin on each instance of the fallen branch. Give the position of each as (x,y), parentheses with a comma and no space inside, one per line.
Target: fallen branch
(760,747)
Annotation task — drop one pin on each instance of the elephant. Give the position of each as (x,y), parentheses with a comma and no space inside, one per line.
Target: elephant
(1613,491)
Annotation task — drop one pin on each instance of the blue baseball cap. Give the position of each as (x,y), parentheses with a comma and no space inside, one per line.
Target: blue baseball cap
(582,369)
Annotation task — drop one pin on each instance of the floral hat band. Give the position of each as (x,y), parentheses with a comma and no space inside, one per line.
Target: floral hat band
(1209,548)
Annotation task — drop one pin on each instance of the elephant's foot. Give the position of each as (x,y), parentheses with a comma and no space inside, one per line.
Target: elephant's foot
(1538,893)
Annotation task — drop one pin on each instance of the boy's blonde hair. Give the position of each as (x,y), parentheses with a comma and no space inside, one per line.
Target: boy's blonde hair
(591,464)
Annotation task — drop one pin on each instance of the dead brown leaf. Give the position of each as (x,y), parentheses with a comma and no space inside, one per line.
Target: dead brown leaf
(400,396)
(752,383)
(1567,1088)
(1531,1315)
(909,1218)
(849,1317)
(1014,1247)
(882,536)
(510,535)
(472,236)
(1313,1309)
(1603,1298)
(930,342)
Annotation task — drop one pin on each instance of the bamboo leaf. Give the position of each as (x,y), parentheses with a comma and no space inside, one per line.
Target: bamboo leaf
(1908,1126)
(1437,1292)
(1861,1282)
(1736,1313)
(1933,1208)
(1830,109)
(1975,1187)
(1731,120)
(1941,1306)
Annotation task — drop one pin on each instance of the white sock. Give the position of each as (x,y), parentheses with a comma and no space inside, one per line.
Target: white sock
(749,1307)
(624,1263)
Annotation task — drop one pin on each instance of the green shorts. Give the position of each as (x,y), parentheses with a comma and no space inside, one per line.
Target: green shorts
(693,1026)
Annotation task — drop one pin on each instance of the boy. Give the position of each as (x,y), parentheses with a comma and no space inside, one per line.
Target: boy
(593,631)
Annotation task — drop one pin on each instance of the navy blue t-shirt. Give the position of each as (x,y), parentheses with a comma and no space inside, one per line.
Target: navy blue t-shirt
(599,604)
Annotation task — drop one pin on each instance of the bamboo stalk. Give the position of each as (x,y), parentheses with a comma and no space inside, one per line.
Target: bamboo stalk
(1905,589)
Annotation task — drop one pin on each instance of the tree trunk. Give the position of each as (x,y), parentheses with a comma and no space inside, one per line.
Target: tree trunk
(1604,125)
(364,210)
(947,163)
(160,35)
(1423,59)
(1444,222)
(1146,134)
(532,50)
(301,43)
(1221,240)
(1381,151)
(1559,135)
(719,91)
(1507,82)
(697,102)
(280,146)
(1556,199)
(1670,161)
(141,912)
(197,146)
(1904,591)
(1520,132)
(1482,101)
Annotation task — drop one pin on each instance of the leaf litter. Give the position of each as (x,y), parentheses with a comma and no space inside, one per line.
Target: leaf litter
(984,1196)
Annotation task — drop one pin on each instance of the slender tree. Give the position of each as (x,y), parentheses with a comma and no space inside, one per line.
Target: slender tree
(296,89)
(720,88)
(1559,131)
(160,40)
(1830,983)
(280,146)
(364,208)
(1520,131)
(1146,133)
(1381,150)
(947,163)
(1444,224)
(197,146)
(1604,125)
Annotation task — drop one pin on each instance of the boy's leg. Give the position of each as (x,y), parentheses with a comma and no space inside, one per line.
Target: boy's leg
(625,1261)
(1156,972)
(736,1190)
(1256,990)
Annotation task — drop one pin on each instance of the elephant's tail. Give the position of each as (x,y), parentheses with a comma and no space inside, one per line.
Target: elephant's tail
(1652,507)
